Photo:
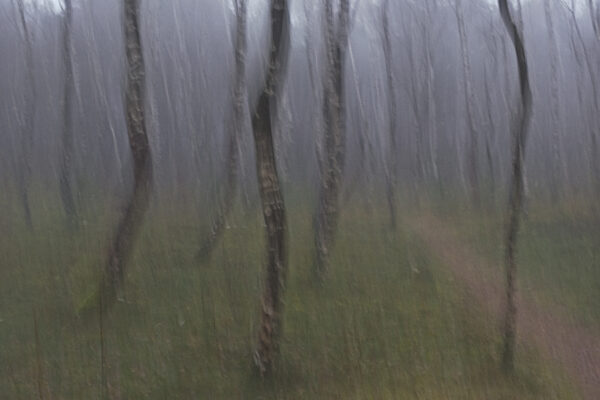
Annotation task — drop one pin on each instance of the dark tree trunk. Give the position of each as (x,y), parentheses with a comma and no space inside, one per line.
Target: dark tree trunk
(239,100)
(392,162)
(516,187)
(334,135)
(129,225)
(66,189)
(270,191)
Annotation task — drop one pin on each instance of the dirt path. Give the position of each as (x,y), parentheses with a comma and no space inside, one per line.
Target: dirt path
(548,329)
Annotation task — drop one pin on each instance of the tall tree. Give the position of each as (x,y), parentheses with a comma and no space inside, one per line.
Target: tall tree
(558,167)
(270,189)
(27,120)
(392,162)
(515,204)
(129,225)
(473,137)
(239,101)
(588,57)
(332,162)
(66,190)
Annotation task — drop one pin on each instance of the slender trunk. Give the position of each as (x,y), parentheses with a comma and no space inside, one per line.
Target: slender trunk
(392,162)
(239,99)
(270,191)
(490,141)
(516,189)
(66,189)
(129,225)
(557,162)
(595,152)
(593,17)
(28,120)
(469,103)
(334,135)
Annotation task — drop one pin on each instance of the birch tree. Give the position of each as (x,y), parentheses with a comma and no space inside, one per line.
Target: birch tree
(336,43)
(392,162)
(66,187)
(130,222)
(558,169)
(27,118)
(473,136)
(272,202)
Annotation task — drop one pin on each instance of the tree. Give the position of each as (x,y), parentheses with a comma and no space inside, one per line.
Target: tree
(271,196)
(332,161)
(66,190)
(470,106)
(589,63)
(515,203)
(558,166)
(392,164)
(239,101)
(27,121)
(129,225)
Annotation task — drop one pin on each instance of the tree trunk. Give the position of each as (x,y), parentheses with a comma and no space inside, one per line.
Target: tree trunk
(490,139)
(469,103)
(137,205)
(334,135)
(66,189)
(28,121)
(595,152)
(392,164)
(239,99)
(516,189)
(558,168)
(270,191)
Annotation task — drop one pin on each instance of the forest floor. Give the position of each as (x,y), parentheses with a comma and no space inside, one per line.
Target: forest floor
(390,322)
(549,327)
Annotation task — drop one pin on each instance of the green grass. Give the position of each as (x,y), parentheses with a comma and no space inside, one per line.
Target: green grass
(387,324)
(558,252)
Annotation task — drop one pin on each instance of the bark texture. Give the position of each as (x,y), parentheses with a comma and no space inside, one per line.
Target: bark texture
(515,205)
(332,162)
(270,191)
(129,225)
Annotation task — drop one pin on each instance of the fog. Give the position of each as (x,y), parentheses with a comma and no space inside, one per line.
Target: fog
(299,199)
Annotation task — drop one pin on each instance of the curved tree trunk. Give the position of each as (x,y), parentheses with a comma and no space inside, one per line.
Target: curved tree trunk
(334,135)
(130,223)
(66,189)
(239,100)
(270,191)
(516,187)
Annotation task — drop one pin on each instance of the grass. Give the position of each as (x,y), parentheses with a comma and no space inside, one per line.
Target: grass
(389,323)
(558,252)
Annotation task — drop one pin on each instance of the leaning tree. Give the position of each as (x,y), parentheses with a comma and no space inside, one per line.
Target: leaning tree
(270,189)
(517,186)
